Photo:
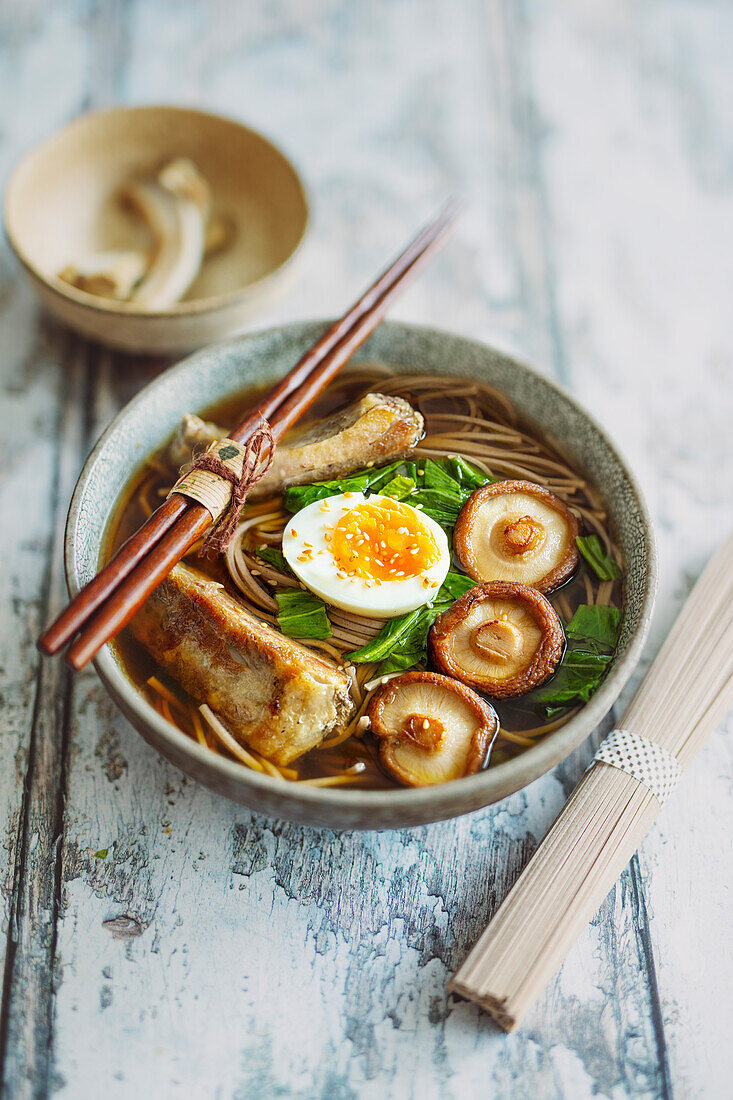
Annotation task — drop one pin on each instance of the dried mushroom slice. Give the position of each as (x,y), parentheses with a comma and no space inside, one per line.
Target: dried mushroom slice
(517,531)
(113,274)
(176,205)
(504,639)
(431,729)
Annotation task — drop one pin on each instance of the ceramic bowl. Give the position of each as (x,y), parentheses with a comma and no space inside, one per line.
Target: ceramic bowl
(215,373)
(61,205)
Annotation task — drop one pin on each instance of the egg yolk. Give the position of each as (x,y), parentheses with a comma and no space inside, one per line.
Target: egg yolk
(383,542)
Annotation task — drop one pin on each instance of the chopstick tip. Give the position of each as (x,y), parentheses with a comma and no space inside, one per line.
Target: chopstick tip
(453,206)
(45,644)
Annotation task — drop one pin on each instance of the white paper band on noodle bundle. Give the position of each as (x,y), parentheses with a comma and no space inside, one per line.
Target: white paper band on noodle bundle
(643,759)
(208,488)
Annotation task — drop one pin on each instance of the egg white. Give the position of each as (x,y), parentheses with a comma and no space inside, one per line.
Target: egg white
(357,594)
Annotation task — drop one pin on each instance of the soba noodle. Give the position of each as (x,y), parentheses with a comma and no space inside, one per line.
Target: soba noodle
(465,418)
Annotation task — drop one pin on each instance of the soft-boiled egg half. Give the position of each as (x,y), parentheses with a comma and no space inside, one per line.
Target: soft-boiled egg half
(372,555)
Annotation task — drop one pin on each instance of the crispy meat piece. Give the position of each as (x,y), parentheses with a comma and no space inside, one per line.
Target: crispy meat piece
(373,430)
(275,695)
(190,432)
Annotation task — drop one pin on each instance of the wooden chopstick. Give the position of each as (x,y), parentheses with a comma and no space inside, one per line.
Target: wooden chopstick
(93,594)
(143,569)
(135,550)
(406,263)
(129,596)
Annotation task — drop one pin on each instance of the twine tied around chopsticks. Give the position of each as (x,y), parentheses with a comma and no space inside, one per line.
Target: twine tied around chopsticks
(220,478)
(649,763)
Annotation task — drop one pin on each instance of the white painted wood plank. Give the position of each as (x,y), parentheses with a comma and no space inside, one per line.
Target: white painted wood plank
(330,952)
(643,215)
(36,476)
(43,378)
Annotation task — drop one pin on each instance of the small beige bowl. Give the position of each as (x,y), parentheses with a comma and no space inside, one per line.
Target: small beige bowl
(61,205)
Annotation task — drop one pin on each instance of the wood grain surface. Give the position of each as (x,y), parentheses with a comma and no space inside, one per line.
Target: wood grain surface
(214,953)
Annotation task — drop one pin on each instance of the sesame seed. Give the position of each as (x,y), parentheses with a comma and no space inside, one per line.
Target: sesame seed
(255,572)
(293,533)
(425,724)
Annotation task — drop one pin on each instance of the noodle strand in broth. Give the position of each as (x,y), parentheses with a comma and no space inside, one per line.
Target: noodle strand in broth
(472,420)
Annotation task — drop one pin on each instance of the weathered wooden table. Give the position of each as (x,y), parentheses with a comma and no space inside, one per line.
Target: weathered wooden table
(214,953)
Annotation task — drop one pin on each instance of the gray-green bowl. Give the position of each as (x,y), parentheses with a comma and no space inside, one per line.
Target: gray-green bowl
(217,372)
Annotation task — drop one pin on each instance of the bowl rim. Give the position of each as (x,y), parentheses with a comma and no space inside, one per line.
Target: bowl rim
(95,305)
(436,800)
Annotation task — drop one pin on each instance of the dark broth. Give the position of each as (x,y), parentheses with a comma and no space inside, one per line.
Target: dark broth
(521,721)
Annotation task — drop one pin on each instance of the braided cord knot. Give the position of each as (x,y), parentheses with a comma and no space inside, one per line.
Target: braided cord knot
(220,478)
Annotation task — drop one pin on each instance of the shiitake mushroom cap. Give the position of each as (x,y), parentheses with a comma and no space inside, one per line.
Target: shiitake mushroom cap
(517,531)
(431,728)
(502,638)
